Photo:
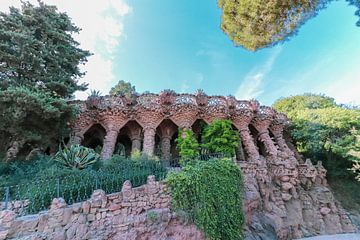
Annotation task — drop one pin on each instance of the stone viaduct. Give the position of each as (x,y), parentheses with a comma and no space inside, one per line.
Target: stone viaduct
(150,123)
(284,195)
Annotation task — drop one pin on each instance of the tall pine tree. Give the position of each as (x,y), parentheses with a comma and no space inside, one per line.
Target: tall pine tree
(39,71)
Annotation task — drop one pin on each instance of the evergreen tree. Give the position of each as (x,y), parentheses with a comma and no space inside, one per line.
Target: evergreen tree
(39,70)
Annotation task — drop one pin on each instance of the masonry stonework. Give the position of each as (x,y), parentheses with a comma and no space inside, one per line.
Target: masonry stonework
(284,194)
(134,213)
(286,197)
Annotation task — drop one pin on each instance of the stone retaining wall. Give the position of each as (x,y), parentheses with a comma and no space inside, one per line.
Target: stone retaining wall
(133,213)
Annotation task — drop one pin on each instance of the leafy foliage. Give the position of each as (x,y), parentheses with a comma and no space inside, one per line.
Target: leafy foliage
(123,88)
(211,194)
(34,116)
(219,137)
(76,156)
(256,24)
(187,145)
(324,131)
(356,169)
(38,73)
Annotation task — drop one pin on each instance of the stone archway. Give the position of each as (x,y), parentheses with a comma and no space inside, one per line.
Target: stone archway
(198,128)
(166,131)
(129,139)
(261,147)
(94,137)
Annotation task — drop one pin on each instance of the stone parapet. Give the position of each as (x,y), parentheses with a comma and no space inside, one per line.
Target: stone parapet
(142,212)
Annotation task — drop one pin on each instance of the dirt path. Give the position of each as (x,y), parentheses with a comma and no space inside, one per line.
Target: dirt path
(352,236)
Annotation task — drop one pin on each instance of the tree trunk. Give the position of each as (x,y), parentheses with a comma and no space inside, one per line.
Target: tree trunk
(13,150)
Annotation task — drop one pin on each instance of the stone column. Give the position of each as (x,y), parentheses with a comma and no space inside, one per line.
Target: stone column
(262,124)
(239,152)
(277,130)
(249,145)
(149,140)
(135,144)
(109,144)
(165,147)
(76,138)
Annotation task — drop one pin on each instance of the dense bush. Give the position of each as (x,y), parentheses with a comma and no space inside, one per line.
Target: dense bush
(219,137)
(210,192)
(187,145)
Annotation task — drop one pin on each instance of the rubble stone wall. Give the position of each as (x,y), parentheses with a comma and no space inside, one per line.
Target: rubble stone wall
(133,213)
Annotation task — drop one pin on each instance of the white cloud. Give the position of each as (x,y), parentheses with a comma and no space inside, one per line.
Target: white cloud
(102,28)
(251,86)
(346,89)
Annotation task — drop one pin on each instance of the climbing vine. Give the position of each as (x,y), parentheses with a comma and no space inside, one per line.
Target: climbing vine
(211,194)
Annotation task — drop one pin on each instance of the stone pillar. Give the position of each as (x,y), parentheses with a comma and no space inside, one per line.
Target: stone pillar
(165,147)
(265,138)
(249,145)
(76,138)
(149,140)
(135,144)
(262,126)
(109,144)
(277,130)
(239,152)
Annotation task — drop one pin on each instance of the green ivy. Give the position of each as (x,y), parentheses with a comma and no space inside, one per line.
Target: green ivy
(211,194)
(187,145)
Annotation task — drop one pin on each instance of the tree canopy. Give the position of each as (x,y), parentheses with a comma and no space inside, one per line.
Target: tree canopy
(123,88)
(324,130)
(39,71)
(255,24)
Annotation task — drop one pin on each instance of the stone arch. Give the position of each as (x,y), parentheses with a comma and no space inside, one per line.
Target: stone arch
(94,136)
(261,147)
(198,127)
(167,131)
(129,138)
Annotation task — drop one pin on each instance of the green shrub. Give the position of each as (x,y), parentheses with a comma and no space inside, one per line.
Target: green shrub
(211,194)
(219,137)
(187,145)
(76,156)
(42,180)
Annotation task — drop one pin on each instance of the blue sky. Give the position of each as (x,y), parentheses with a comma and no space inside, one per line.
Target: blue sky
(168,44)
(179,45)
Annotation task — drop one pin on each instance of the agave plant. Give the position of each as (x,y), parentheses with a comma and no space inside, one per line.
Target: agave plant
(94,93)
(76,156)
